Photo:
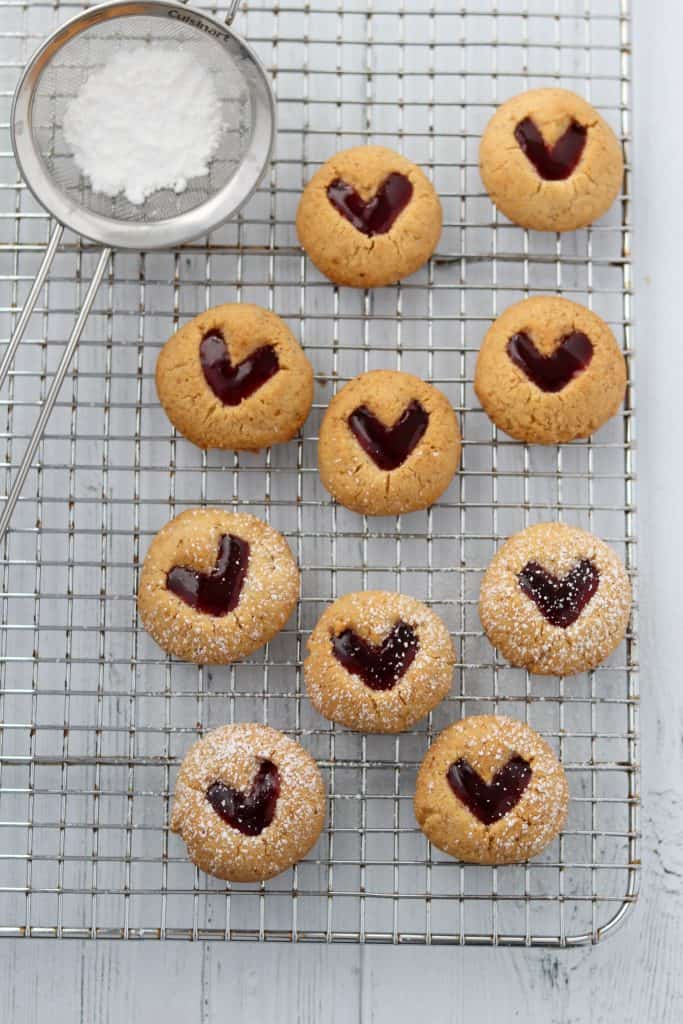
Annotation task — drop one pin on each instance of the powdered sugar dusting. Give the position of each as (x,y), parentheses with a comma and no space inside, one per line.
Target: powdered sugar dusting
(343,697)
(232,754)
(149,119)
(515,624)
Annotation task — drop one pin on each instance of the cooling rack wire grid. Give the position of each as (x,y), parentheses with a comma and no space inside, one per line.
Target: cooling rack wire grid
(95,719)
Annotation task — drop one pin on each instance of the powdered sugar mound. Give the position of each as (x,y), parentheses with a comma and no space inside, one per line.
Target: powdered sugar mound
(149,119)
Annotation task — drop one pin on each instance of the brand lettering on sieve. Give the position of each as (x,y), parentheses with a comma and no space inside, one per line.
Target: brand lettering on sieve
(189,20)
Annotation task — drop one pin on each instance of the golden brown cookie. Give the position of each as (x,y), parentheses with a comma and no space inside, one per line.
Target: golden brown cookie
(235,377)
(491,791)
(378,662)
(555,600)
(389,443)
(550,371)
(249,802)
(550,162)
(369,217)
(216,586)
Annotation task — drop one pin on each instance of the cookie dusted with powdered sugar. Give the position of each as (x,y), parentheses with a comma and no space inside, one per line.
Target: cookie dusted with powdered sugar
(216,586)
(249,803)
(491,791)
(369,217)
(389,443)
(378,662)
(555,600)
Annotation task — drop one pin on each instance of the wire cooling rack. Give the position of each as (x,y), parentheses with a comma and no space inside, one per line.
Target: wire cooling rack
(95,719)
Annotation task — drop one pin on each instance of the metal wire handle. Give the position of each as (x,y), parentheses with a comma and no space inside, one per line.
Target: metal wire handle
(231,12)
(64,363)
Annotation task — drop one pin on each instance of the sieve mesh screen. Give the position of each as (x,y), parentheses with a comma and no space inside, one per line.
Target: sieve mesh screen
(87,52)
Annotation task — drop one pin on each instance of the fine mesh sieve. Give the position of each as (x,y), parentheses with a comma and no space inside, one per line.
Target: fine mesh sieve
(54,77)
(81,55)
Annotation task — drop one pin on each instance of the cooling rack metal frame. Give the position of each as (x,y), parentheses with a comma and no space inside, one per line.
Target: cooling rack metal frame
(94,719)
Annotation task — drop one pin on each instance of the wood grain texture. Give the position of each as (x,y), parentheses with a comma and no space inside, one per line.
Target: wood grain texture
(635,976)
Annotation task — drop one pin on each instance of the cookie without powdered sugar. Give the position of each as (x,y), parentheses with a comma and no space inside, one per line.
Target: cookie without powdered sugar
(378,662)
(216,586)
(555,600)
(249,803)
(369,217)
(235,377)
(550,162)
(491,791)
(389,443)
(550,371)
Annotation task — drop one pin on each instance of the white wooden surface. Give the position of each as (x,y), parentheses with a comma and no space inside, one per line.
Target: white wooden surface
(635,976)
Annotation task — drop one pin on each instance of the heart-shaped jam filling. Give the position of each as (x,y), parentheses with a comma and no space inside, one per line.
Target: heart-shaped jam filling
(216,592)
(389,447)
(490,801)
(248,812)
(381,666)
(560,601)
(552,163)
(231,382)
(552,372)
(375,216)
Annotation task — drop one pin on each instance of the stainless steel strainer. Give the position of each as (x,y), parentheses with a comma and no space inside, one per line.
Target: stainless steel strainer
(166,219)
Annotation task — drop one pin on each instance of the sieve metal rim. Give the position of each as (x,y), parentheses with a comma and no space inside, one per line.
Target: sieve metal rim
(172,231)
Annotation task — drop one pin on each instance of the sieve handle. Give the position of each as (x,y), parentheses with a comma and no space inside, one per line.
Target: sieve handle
(55,386)
(30,304)
(232,10)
